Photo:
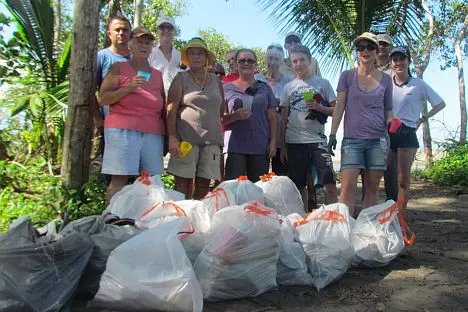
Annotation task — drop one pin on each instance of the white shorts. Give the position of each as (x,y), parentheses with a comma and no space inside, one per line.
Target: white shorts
(127,152)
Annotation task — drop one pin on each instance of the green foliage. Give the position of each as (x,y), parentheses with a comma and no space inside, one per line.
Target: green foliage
(452,169)
(29,190)
(217,43)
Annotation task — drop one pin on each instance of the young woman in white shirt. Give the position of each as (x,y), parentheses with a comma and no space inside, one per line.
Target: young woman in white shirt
(409,94)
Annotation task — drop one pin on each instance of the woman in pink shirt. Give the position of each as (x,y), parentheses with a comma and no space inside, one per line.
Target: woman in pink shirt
(134,128)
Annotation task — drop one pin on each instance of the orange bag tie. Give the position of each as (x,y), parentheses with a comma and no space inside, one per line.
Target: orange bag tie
(265,177)
(180,212)
(299,223)
(216,196)
(330,215)
(255,209)
(388,213)
(242,178)
(405,229)
(144,178)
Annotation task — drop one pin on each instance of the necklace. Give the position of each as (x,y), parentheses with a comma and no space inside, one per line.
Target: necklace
(201,85)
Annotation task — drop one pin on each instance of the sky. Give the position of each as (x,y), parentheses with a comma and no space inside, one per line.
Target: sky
(244,22)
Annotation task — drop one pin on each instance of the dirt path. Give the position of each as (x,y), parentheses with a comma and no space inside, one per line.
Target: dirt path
(430,276)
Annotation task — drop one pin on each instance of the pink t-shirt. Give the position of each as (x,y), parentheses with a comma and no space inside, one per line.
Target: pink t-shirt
(141,109)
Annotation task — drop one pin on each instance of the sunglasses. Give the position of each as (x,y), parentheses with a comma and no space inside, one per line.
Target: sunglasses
(370,47)
(246,61)
(165,27)
(292,41)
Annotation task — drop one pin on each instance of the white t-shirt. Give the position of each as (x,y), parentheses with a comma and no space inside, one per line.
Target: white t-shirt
(169,69)
(407,100)
(298,129)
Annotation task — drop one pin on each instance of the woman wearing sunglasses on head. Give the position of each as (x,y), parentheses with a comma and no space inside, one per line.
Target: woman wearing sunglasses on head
(250,121)
(408,95)
(365,94)
(194,110)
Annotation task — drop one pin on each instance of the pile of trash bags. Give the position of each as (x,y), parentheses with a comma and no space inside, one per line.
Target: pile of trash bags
(152,249)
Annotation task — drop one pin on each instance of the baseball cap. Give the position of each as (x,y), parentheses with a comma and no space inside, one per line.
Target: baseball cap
(401,49)
(166,20)
(385,38)
(366,36)
(142,31)
(292,34)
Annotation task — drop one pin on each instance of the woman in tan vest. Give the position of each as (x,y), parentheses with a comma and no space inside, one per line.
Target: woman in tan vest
(194,110)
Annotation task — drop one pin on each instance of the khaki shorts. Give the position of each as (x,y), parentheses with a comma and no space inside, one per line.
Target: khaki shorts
(201,161)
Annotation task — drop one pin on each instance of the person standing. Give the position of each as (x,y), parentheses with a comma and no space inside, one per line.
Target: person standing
(250,121)
(291,40)
(305,139)
(365,94)
(165,57)
(194,110)
(383,55)
(134,127)
(119,33)
(274,59)
(409,93)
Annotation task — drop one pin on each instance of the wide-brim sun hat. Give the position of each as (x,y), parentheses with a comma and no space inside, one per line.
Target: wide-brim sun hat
(366,36)
(196,43)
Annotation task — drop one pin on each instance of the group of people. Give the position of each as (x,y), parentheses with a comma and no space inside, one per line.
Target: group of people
(244,121)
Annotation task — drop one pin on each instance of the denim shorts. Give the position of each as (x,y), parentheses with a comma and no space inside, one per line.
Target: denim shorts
(364,153)
(127,152)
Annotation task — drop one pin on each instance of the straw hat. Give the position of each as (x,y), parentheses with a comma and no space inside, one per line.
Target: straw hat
(366,36)
(196,43)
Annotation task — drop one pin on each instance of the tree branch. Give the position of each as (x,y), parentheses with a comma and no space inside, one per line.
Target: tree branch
(430,35)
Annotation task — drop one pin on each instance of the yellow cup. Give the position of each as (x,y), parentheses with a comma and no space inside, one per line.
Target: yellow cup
(185,148)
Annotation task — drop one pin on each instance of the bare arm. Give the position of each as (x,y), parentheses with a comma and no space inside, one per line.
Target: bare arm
(338,111)
(388,116)
(431,113)
(174,97)
(273,124)
(326,110)
(110,92)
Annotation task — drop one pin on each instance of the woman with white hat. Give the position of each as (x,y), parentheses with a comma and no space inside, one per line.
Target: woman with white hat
(194,108)
(365,93)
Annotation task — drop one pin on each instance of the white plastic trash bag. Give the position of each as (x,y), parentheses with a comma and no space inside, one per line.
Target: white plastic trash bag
(151,272)
(131,201)
(326,238)
(377,235)
(241,252)
(281,194)
(292,266)
(243,190)
(218,199)
(195,210)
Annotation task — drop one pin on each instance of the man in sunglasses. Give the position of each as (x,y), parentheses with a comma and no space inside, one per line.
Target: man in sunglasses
(291,40)
(383,54)
(164,57)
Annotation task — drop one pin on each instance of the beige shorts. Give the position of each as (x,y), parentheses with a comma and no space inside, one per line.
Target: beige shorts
(201,161)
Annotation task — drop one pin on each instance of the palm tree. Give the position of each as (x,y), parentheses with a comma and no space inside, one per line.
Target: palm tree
(329,26)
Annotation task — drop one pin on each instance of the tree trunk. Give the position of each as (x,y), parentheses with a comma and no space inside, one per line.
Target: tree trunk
(420,67)
(57,22)
(77,140)
(461,80)
(138,13)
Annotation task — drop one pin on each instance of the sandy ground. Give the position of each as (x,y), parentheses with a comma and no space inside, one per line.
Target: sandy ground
(430,276)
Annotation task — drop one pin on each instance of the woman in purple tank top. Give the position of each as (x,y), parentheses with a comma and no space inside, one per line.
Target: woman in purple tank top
(365,94)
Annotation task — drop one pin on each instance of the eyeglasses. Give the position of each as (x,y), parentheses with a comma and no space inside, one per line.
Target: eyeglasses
(165,27)
(248,61)
(292,40)
(370,47)
(383,44)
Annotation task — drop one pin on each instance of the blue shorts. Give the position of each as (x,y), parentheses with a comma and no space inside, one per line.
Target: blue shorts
(127,152)
(364,153)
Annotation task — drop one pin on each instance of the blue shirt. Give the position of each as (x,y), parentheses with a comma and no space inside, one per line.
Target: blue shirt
(105,59)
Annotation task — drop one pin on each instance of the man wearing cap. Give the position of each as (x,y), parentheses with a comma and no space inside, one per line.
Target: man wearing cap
(383,54)
(164,56)
(383,64)
(291,40)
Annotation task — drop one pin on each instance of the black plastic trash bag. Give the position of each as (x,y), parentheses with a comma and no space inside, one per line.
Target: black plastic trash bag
(105,238)
(40,273)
